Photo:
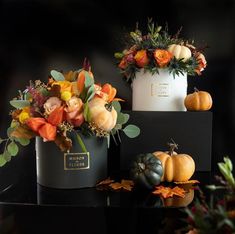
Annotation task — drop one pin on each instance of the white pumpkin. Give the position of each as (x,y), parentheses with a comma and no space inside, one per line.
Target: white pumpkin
(180,52)
(105,118)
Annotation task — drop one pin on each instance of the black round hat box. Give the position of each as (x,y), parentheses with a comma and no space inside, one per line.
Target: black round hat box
(72,170)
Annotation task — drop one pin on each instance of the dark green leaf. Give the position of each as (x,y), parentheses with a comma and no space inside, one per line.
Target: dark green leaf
(131,131)
(1,140)
(19,104)
(13,149)
(58,76)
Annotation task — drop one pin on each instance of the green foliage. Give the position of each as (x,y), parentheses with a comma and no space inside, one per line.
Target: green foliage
(12,148)
(86,113)
(226,169)
(156,38)
(19,104)
(23,141)
(58,76)
(212,217)
(131,131)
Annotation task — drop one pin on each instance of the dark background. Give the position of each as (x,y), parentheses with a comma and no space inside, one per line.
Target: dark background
(39,35)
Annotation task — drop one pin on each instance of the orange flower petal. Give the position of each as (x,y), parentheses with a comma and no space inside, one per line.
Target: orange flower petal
(106,88)
(47,132)
(56,117)
(35,123)
(81,81)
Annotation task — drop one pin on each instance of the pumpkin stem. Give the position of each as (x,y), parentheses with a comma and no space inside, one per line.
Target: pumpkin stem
(172,146)
(141,166)
(109,106)
(196,90)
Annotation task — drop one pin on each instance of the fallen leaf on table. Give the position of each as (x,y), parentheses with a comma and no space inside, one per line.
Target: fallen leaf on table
(188,182)
(107,181)
(125,185)
(166,192)
(115,186)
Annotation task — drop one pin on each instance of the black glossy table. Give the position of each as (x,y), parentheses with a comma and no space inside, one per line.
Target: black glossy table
(26,207)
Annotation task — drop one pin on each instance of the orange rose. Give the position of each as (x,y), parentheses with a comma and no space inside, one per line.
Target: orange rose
(123,64)
(141,58)
(162,57)
(201,63)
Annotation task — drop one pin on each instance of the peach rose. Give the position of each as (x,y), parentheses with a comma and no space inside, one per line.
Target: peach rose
(51,104)
(162,57)
(74,111)
(141,58)
(201,63)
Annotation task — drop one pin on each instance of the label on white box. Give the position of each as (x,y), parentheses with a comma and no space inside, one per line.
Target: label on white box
(160,89)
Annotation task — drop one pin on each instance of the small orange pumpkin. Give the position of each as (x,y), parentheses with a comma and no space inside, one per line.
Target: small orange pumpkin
(198,101)
(176,167)
(103,115)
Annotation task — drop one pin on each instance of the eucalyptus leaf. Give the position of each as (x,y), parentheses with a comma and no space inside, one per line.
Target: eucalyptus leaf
(118,127)
(1,140)
(23,141)
(9,131)
(2,160)
(58,76)
(121,118)
(116,105)
(88,80)
(19,104)
(131,131)
(7,156)
(13,149)
(127,117)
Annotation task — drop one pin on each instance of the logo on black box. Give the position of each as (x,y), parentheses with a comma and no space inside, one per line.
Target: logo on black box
(76,161)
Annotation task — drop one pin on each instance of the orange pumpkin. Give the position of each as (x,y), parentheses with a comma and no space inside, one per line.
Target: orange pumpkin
(176,167)
(198,101)
(103,115)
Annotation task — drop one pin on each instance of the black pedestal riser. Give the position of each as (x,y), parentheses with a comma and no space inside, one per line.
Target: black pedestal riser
(191,130)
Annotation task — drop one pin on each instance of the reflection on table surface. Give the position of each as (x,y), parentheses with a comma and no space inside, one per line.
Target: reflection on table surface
(28,206)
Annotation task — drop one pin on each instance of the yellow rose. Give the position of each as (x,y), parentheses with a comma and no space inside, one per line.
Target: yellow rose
(66,95)
(24,115)
(64,85)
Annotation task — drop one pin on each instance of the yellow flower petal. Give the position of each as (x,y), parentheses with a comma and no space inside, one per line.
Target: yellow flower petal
(66,95)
